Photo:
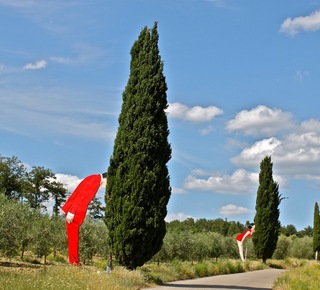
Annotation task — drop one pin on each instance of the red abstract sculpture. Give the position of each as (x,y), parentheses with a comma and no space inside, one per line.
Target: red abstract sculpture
(75,209)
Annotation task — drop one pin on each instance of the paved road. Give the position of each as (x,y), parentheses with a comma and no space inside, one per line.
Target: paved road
(253,280)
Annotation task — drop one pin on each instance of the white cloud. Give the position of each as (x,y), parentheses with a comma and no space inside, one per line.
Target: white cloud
(240,182)
(37,65)
(231,210)
(180,216)
(253,155)
(260,121)
(296,154)
(176,190)
(70,182)
(195,114)
(292,26)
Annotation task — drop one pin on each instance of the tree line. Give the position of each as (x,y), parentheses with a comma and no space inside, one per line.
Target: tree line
(26,227)
(26,230)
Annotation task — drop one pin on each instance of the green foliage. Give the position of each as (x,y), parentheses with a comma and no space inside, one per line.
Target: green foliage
(9,227)
(43,239)
(12,177)
(35,187)
(266,220)
(316,228)
(221,226)
(201,269)
(93,240)
(289,230)
(305,277)
(302,248)
(96,209)
(283,247)
(138,187)
(38,186)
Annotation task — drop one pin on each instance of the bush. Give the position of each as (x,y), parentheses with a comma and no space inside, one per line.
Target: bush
(302,248)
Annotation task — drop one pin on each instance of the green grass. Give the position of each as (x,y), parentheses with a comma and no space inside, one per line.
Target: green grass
(70,278)
(25,275)
(305,277)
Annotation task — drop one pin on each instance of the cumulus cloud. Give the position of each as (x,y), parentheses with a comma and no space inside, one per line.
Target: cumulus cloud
(70,182)
(195,114)
(292,26)
(37,65)
(176,190)
(240,182)
(296,154)
(252,156)
(231,210)
(260,121)
(180,216)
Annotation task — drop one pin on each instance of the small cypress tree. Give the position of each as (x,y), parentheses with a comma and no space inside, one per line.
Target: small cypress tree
(138,187)
(316,230)
(266,220)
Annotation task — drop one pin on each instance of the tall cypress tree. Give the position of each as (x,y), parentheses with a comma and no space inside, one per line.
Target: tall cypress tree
(266,220)
(316,230)
(138,185)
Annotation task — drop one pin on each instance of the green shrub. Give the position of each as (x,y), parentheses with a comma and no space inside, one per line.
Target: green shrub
(201,269)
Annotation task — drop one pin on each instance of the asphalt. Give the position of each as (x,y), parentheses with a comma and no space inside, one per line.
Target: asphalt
(253,280)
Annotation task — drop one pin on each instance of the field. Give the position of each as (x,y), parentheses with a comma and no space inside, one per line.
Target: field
(15,274)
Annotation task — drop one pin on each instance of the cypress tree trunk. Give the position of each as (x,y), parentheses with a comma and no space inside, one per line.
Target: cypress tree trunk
(266,220)
(316,230)
(138,187)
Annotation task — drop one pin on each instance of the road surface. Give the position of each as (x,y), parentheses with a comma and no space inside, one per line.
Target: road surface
(253,280)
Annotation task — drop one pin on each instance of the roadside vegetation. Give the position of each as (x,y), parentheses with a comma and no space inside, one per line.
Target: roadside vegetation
(14,274)
(33,244)
(305,277)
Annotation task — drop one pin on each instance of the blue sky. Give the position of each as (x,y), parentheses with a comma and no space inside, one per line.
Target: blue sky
(243,83)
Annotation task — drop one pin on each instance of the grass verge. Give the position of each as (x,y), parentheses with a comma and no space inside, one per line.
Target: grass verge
(20,275)
(304,277)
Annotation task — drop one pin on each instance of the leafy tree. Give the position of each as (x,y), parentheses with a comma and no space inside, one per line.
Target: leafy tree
(92,240)
(96,209)
(289,230)
(9,227)
(316,230)
(302,248)
(266,220)
(12,177)
(27,218)
(306,232)
(230,248)
(39,186)
(58,193)
(59,240)
(138,187)
(283,248)
(43,240)
(216,245)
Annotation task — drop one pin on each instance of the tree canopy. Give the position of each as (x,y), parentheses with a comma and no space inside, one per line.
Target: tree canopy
(138,187)
(266,220)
